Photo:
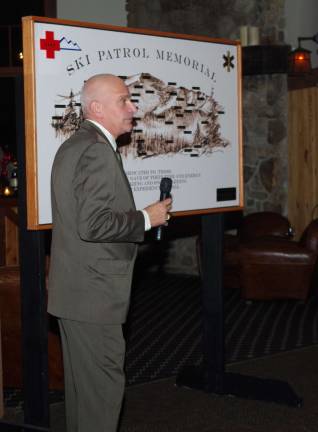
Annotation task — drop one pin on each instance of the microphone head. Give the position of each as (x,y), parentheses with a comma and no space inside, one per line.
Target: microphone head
(166,185)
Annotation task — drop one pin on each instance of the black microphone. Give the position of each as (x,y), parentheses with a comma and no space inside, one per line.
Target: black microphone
(165,189)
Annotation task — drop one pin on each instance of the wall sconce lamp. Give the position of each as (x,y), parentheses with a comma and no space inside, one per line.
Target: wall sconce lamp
(299,59)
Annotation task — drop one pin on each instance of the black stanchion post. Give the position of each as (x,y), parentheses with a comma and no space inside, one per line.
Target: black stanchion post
(33,297)
(212,301)
(211,376)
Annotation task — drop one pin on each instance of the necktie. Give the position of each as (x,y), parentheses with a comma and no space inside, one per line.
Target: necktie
(119,156)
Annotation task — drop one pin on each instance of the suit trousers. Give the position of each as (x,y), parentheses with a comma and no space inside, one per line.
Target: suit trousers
(93,357)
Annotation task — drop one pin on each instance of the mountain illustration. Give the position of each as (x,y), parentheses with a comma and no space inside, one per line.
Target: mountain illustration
(170,119)
(173,119)
(69,45)
(68,116)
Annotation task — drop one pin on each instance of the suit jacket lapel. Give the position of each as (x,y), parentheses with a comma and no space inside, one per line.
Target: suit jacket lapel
(101,137)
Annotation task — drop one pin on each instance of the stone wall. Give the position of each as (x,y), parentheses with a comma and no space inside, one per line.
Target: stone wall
(218,18)
(265,143)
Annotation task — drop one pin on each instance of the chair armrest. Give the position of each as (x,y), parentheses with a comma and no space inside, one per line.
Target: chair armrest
(277,251)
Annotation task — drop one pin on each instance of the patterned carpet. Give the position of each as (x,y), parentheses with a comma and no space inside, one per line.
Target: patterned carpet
(164,329)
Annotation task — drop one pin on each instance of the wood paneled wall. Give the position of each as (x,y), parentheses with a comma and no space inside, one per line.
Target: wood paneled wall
(303,157)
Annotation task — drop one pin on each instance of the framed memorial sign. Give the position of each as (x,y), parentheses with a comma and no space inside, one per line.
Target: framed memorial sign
(188,125)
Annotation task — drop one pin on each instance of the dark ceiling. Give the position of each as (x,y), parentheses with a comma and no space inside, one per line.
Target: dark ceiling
(13,11)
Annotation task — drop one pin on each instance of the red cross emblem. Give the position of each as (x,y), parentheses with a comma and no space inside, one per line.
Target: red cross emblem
(50,45)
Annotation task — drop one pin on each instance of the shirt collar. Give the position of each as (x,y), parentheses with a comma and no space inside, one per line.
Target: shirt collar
(105,132)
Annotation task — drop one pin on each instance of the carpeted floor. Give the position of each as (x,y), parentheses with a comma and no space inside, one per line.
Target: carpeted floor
(164,329)
(274,339)
(162,407)
(164,326)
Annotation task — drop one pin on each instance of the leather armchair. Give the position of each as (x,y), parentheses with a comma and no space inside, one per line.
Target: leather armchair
(274,267)
(264,224)
(252,227)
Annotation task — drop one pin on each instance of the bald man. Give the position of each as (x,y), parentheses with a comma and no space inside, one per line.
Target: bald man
(96,228)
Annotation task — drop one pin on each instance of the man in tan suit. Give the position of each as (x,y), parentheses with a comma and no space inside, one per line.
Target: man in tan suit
(96,228)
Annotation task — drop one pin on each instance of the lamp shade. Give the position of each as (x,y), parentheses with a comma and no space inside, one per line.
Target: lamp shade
(299,61)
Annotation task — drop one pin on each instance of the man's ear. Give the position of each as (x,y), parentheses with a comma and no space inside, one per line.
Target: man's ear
(96,108)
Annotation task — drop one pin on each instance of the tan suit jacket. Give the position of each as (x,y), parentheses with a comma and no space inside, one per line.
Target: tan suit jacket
(95,231)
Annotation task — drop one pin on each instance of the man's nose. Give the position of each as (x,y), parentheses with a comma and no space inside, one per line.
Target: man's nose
(132,106)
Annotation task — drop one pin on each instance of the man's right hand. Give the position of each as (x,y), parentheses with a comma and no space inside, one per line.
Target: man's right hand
(158,212)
